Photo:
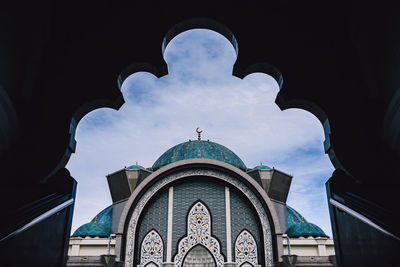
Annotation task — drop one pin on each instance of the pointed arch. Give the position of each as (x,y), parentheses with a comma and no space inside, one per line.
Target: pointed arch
(199,255)
(246,249)
(152,249)
(128,226)
(199,233)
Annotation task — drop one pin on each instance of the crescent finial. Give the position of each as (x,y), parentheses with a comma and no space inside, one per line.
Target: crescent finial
(198,133)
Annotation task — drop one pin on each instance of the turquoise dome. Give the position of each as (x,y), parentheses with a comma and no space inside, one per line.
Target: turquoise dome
(198,149)
(293,217)
(135,167)
(262,167)
(99,226)
(305,229)
(298,226)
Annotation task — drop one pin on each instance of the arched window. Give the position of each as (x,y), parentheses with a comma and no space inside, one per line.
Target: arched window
(152,250)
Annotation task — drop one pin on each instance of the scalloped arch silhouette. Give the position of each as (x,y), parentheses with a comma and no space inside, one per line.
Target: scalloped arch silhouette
(159,71)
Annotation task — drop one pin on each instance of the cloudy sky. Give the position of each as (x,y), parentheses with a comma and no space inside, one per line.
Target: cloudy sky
(200,91)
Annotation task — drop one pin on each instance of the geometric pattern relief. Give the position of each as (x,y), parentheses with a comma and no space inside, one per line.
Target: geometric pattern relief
(99,226)
(152,249)
(293,217)
(144,199)
(199,232)
(246,249)
(243,217)
(154,217)
(212,196)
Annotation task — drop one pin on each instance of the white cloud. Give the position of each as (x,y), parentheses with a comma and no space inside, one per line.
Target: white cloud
(200,91)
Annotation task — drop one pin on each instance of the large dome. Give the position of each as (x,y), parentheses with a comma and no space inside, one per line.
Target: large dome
(298,225)
(305,229)
(99,226)
(198,149)
(293,217)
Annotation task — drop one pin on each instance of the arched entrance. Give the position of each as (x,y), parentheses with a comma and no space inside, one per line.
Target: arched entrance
(199,256)
(217,242)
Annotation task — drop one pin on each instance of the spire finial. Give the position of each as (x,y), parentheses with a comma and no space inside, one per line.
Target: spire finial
(260,163)
(302,219)
(198,133)
(136,163)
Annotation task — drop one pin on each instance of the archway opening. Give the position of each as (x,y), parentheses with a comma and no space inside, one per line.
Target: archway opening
(239,113)
(199,256)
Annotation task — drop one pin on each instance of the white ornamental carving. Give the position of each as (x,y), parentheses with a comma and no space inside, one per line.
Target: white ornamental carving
(199,232)
(246,249)
(152,249)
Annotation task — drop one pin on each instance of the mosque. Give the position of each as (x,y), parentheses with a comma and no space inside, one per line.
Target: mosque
(199,205)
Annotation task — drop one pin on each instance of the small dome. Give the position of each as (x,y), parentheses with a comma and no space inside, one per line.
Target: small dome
(262,167)
(305,229)
(198,149)
(298,225)
(99,226)
(135,167)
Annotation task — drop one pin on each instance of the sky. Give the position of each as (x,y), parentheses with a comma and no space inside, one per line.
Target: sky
(200,91)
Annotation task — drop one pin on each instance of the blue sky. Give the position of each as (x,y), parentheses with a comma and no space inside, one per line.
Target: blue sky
(200,91)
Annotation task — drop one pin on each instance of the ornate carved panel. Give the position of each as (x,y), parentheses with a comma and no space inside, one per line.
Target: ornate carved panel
(199,232)
(132,227)
(246,249)
(152,249)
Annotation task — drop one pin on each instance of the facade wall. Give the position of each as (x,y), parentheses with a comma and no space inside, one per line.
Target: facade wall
(89,246)
(302,250)
(211,192)
(281,212)
(222,176)
(309,246)
(94,250)
(188,193)
(116,215)
(155,217)
(330,249)
(298,246)
(244,218)
(209,186)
